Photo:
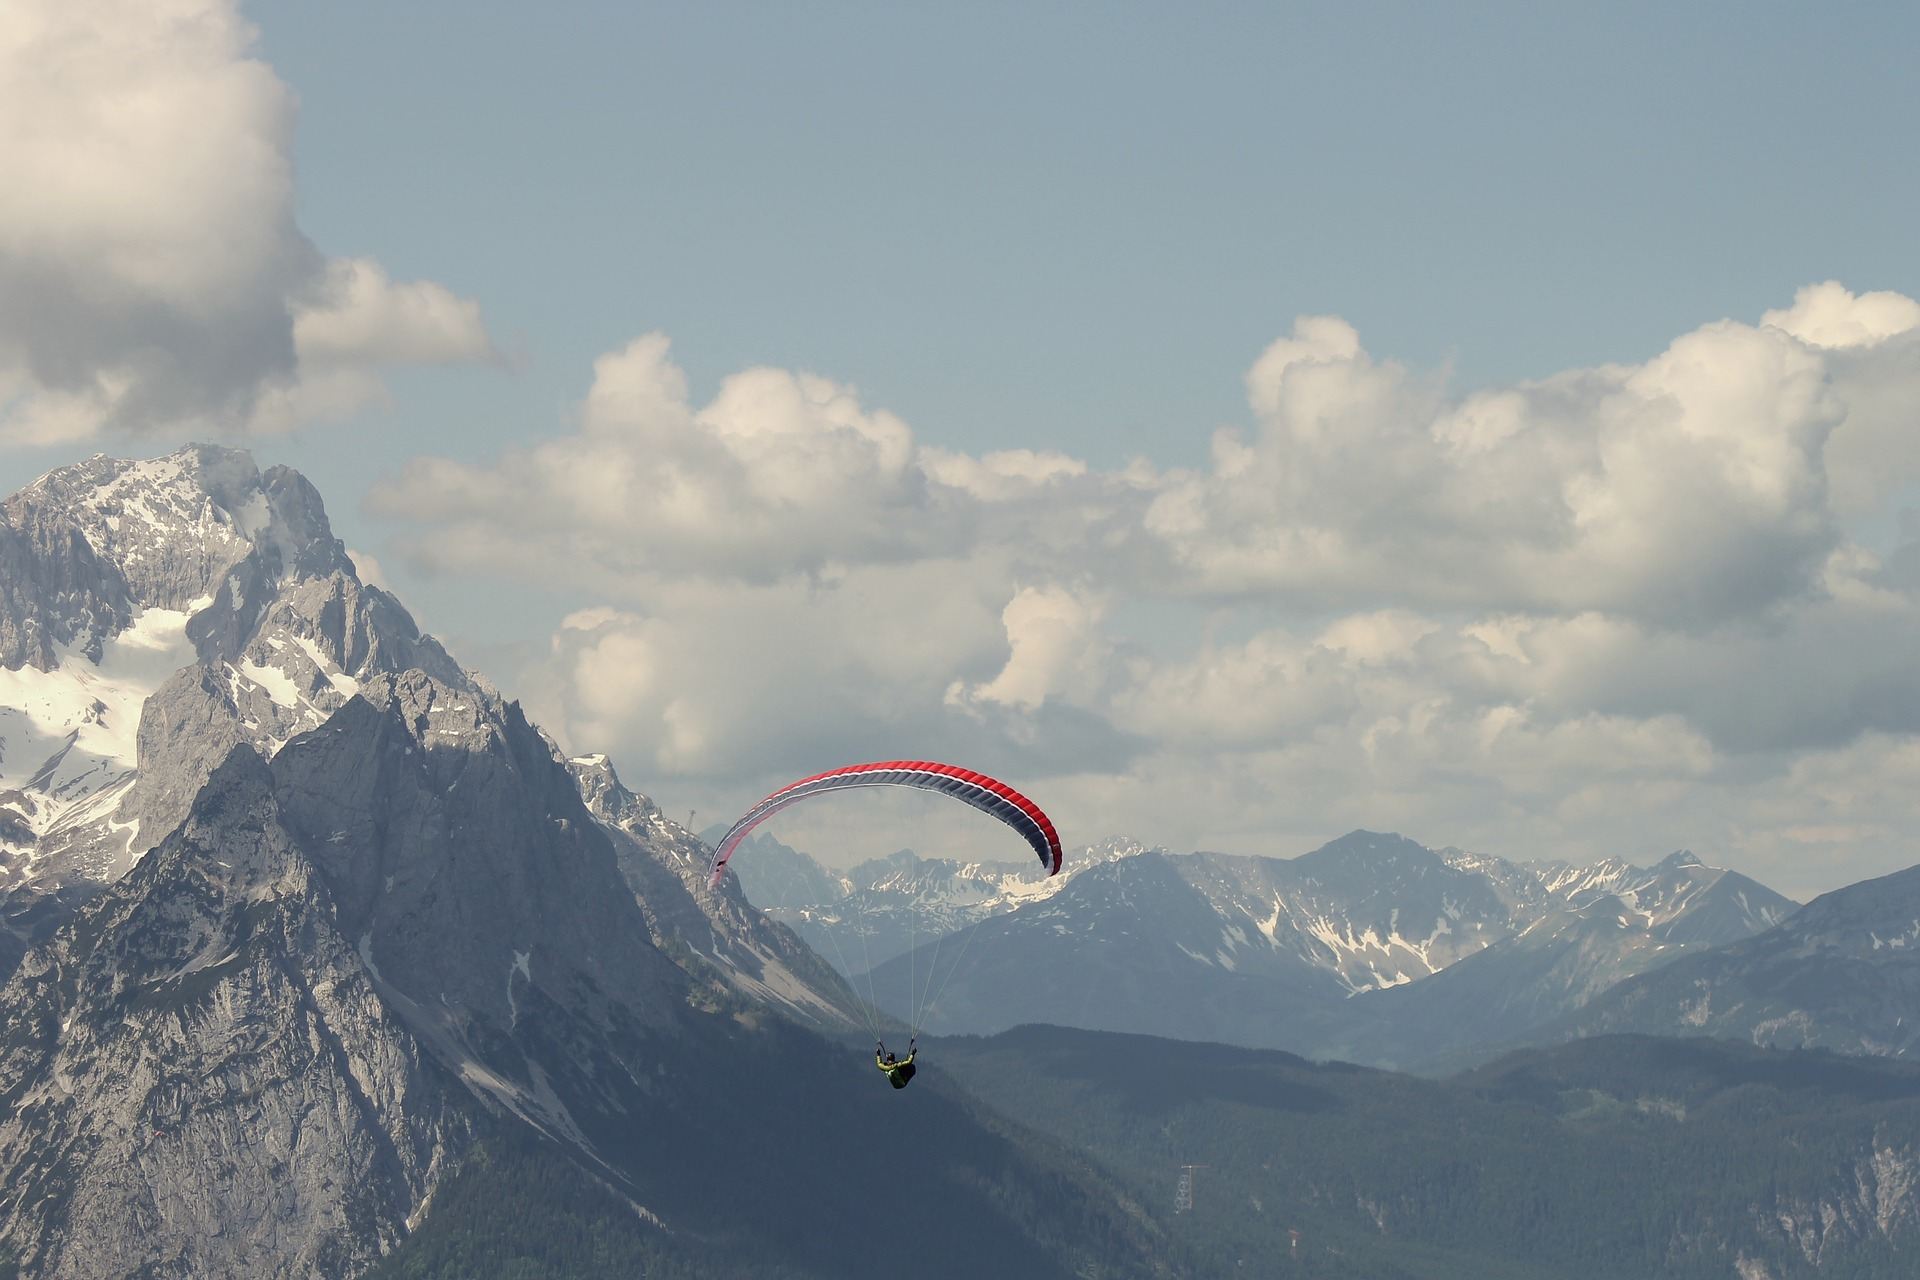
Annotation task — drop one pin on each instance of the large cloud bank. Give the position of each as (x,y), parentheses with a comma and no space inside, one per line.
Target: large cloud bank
(152,275)
(1616,610)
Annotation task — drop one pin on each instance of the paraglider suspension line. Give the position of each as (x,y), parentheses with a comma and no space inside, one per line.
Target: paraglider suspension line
(972,931)
(867,1009)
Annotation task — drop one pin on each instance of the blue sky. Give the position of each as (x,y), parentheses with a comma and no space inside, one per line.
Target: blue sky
(1074,231)
(980,215)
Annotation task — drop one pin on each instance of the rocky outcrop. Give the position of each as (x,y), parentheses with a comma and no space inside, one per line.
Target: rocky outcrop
(176,528)
(256,1053)
(54,590)
(199,1077)
(715,931)
(463,858)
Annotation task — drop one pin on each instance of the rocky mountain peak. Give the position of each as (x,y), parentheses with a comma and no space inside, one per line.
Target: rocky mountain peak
(1109,849)
(458,849)
(158,612)
(1371,848)
(901,862)
(1374,875)
(174,528)
(608,799)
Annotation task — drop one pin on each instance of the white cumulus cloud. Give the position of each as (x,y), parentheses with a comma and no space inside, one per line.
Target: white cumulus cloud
(1618,610)
(152,272)
(779,473)
(1687,489)
(1055,648)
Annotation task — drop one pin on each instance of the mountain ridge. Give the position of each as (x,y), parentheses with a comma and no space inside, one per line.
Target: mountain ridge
(1433,951)
(1842,973)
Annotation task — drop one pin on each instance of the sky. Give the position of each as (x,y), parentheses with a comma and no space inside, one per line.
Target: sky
(1233,425)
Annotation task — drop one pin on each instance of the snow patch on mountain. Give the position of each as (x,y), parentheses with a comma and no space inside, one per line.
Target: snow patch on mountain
(888,906)
(69,736)
(1898,941)
(155,614)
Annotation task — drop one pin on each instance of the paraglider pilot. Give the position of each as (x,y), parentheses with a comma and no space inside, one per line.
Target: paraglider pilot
(898,1072)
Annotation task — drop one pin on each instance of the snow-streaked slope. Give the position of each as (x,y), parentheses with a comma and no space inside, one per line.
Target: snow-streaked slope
(1603,925)
(888,906)
(1128,945)
(69,736)
(1841,973)
(1428,951)
(1375,910)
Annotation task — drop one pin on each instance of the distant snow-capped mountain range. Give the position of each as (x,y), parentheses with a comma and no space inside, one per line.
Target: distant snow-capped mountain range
(1372,946)
(887,906)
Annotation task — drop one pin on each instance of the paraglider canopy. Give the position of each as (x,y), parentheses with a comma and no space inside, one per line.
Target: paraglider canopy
(989,795)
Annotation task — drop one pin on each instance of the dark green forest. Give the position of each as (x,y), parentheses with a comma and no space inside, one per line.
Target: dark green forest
(1625,1157)
(518,1210)
(1620,1158)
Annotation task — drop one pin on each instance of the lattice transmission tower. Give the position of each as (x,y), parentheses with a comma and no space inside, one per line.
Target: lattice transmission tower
(1183,1188)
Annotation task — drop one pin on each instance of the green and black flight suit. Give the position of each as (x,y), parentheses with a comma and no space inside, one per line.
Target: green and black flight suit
(898,1073)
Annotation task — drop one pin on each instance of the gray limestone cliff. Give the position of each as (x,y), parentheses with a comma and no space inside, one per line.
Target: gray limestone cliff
(716,929)
(256,1053)
(199,1077)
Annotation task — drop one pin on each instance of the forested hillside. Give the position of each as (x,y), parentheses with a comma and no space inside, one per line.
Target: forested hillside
(1615,1159)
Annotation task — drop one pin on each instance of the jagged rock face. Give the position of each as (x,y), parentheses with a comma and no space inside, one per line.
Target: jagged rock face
(309,648)
(358,629)
(462,857)
(666,867)
(199,1078)
(176,528)
(54,590)
(1879,1199)
(256,1053)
